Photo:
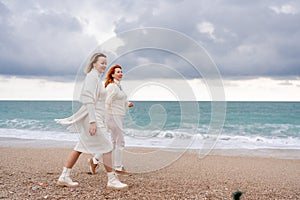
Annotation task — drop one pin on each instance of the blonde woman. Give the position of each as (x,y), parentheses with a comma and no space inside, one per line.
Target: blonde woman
(89,120)
(116,105)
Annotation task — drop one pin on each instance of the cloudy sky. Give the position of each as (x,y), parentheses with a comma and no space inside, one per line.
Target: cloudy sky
(254,44)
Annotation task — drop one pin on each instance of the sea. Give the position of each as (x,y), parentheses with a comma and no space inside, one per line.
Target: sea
(167,124)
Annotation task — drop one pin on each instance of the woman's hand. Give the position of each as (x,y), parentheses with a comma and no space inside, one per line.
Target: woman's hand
(130,104)
(93,128)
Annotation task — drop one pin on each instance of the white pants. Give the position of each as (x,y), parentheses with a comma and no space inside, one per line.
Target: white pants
(115,125)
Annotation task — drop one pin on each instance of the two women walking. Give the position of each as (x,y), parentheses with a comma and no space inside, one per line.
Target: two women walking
(89,121)
(116,105)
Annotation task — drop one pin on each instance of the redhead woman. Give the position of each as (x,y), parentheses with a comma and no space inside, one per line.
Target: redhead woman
(89,121)
(116,105)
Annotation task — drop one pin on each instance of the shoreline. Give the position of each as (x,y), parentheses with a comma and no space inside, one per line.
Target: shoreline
(261,152)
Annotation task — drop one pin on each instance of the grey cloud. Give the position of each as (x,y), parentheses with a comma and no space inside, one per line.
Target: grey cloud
(162,46)
(42,42)
(249,37)
(251,40)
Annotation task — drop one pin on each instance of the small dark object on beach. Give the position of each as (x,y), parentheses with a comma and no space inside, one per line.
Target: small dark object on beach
(236,195)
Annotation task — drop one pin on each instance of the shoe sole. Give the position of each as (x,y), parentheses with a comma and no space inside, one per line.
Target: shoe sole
(90,162)
(63,184)
(123,173)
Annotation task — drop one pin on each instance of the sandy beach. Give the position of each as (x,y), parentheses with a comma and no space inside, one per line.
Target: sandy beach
(31,173)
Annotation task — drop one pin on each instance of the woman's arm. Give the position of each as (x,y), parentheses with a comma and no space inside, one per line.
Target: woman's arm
(88,95)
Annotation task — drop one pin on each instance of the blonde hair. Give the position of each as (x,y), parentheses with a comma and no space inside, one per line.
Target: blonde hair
(93,60)
(109,79)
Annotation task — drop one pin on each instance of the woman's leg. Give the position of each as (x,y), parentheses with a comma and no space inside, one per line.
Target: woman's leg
(73,157)
(113,180)
(107,161)
(65,178)
(119,143)
(115,124)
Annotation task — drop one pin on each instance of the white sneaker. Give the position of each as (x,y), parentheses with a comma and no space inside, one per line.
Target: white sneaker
(65,179)
(114,182)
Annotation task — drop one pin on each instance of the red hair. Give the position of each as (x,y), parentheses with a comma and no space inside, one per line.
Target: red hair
(109,79)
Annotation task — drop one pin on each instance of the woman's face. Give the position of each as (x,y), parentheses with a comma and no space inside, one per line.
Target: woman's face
(118,75)
(100,65)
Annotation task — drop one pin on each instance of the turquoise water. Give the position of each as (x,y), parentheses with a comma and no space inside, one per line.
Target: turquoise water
(247,124)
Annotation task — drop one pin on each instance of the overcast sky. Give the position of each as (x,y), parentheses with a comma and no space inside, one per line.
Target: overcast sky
(49,39)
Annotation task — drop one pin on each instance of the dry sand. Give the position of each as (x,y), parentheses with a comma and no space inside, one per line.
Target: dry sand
(31,173)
